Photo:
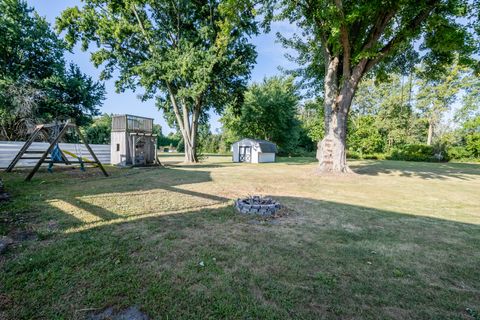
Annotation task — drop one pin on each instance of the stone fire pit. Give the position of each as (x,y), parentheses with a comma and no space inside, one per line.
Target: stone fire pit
(263,206)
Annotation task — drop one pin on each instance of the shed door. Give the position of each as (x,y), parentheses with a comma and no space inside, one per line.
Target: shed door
(245,154)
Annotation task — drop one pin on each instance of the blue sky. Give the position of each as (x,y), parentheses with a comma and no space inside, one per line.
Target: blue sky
(270,57)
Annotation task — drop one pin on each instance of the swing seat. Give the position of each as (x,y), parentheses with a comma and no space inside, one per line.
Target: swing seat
(81,160)
(56,156)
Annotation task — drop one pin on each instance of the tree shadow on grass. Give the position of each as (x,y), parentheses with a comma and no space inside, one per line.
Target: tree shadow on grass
(202,165)
(424,170)
(76,200)
(325,260)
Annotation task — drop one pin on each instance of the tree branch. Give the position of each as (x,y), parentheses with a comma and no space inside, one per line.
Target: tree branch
(402,35)
(345,41)
(378,29)
(142,28)
(175,107)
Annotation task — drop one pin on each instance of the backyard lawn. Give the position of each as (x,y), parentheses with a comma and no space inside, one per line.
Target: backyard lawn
(399,240)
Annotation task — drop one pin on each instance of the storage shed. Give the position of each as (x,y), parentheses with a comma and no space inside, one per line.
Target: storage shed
(254,151)
(133,141)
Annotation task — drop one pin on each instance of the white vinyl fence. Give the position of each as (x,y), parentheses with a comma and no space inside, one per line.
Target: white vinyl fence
(9,149)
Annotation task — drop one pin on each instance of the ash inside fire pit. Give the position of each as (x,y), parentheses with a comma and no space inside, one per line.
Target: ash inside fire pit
(263,206)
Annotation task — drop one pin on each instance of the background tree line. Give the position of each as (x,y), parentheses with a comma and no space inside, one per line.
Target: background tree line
(406,117)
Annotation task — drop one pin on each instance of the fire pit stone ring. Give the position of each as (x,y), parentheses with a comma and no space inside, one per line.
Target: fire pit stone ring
(256,205)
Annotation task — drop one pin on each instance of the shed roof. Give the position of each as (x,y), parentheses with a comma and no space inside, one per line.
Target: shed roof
(265,146)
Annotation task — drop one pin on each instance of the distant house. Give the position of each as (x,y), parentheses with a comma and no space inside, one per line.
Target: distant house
(169,148)
(254,151)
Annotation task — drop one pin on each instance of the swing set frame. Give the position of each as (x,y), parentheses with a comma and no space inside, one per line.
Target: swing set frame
(44,157)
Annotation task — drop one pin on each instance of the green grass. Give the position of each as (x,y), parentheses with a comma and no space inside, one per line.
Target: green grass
(396,241)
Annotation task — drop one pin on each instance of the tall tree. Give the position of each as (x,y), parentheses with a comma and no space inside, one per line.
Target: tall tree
(71,94)
(470,103)
(467,117)
(191,56)
(35,84)
(436,96)
(29,53)
(342,40)
(268,112)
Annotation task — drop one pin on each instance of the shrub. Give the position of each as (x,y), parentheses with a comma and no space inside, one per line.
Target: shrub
(457,153)
(473,144)
(367,156)
(413,152)
(471,132)
(353,155)
(364,135)
(374,156)
(296,152)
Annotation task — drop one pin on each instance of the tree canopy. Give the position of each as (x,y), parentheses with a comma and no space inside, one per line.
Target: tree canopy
(36,85)
(191,56)
(98,132)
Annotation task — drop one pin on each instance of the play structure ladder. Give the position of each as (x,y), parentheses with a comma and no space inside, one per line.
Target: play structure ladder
(44,156)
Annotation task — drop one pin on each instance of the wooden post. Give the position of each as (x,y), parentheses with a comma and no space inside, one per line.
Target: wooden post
(85,142)
(45,154)
(24,148)
(133,150)
(64,157)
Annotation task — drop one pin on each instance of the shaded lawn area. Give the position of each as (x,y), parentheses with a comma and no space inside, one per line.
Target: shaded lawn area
(397,241)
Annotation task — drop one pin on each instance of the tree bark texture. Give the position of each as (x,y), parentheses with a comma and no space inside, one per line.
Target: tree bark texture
(188,127)
(332,149)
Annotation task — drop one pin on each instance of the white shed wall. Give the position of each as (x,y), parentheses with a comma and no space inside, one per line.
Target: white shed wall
(266,157)
(118,157)
(255,154)
(235,150)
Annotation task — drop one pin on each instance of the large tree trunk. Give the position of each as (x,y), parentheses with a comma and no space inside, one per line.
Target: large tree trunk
(331,151)
(192,157)
(190,154)
(188,127)
(189,134)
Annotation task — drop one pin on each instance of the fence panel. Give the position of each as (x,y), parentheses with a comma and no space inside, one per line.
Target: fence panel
(9,149)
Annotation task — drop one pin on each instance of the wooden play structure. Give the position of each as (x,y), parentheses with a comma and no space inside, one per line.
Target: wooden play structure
(133,142)
(53,154)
